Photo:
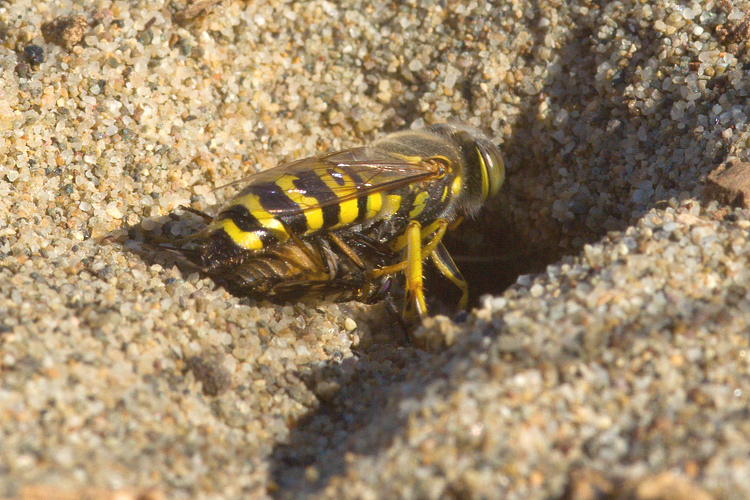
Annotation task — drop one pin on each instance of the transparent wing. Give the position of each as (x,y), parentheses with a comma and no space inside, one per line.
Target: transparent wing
(348,174)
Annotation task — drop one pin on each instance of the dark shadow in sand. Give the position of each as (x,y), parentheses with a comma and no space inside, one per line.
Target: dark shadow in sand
(515,235)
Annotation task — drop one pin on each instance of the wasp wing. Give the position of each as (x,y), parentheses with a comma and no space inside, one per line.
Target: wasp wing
(340,176)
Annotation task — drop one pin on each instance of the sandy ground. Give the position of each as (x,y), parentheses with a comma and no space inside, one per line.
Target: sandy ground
(615,365)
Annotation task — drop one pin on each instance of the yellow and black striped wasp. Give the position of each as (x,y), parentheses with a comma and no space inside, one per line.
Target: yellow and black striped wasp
(340,226)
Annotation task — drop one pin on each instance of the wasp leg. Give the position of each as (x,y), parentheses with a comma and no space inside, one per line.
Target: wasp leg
(443,261)
(316,261)
(437,235)
(414,303)
(393,311)
(348,251)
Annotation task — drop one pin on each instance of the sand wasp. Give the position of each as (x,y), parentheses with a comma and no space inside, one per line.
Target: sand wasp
(340,226)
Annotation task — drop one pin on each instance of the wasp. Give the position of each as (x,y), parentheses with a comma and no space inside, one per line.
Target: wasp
(340,226)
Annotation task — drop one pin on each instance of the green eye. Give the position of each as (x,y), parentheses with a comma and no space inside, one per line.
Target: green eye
(493,169)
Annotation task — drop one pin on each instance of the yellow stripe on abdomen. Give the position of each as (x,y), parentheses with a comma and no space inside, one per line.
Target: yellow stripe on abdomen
(313,216)
(248,240)
(374,204)
(343,185)
(349,212)
(251,240)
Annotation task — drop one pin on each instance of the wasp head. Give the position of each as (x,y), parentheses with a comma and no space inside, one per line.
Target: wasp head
(483,169)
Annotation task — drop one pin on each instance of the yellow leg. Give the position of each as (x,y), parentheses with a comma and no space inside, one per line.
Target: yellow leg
(442,225)
(443,261)
(414,303)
